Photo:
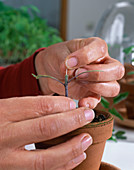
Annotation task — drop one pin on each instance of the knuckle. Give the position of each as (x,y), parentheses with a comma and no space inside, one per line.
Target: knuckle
(76,151)
(79,117)
(54,128)
(97,75)
(115,91)
(1,138)
(41,128)
(5,134)
(103,46)
(40,163)
(121,71)
(82,43)
(44,105)
(65,167)
(47,129)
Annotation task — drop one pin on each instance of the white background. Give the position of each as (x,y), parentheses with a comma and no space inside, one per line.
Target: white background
(84,12)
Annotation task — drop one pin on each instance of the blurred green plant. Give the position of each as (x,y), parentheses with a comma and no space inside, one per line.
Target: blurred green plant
(110,108)
(22,32)
(128,51)
(117,135)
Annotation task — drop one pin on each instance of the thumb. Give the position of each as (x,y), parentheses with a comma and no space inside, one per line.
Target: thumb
(85,51)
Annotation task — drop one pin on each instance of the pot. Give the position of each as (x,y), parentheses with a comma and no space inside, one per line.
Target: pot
(107,166)
(100,132)
(127,86)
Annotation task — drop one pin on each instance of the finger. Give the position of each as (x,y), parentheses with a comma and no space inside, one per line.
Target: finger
(87,54)
(74,163)
(18,109)
(60,155)
(90,101)
(109,71)
(49,127)
(106,89)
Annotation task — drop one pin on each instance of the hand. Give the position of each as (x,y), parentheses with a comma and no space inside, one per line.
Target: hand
(77,56)
(34,119)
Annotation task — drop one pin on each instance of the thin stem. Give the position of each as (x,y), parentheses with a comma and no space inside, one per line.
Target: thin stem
(83,73)
(66,84)
(46,76)
(66,79)
(66,90)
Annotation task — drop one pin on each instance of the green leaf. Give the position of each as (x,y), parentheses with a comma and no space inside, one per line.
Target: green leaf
(24,8)
(129,50)
(130,73)
(47,76)
(105,103)
(116,113)
(120,97)
(113,139)
(83,73)
(34,9)
(119,135)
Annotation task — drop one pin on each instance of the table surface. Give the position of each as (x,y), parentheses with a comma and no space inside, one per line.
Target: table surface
(121,154)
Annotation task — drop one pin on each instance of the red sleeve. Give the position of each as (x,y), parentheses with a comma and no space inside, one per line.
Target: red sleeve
(16,80)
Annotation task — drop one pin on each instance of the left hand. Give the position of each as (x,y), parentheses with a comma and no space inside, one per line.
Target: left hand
(79,55)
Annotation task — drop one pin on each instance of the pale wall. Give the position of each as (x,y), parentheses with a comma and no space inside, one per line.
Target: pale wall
(83,12)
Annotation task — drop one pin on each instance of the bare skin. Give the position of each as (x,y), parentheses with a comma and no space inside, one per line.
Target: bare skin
(36,119)
(85,54)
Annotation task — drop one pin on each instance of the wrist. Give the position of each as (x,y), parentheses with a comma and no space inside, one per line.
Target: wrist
(40,70)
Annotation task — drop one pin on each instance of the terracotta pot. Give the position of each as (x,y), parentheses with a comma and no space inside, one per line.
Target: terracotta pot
(128,68)
(100,132)
(107,166)
(126,86)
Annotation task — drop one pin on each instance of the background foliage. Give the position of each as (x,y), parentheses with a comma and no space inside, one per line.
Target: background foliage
(22,32)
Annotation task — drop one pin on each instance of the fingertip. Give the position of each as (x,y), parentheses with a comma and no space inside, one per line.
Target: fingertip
(81,72)
(71,62)
(89,103)
(72,105)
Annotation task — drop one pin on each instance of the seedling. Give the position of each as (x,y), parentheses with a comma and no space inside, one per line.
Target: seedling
(104,102)
(67,81)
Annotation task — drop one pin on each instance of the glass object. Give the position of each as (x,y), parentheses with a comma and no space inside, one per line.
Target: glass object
(116,27)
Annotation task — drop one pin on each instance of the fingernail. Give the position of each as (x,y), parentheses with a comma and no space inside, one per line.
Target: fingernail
(80,158)
(72,105)
(89,115)
(86,142)
(71,62)
(81,70)
(87,105)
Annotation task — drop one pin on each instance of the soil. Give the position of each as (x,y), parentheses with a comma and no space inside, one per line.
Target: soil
(99,118)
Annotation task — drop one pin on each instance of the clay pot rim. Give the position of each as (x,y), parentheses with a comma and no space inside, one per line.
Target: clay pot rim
(102,123)
(108,165)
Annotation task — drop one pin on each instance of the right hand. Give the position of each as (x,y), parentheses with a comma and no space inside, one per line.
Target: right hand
(28,120)
(77,56)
